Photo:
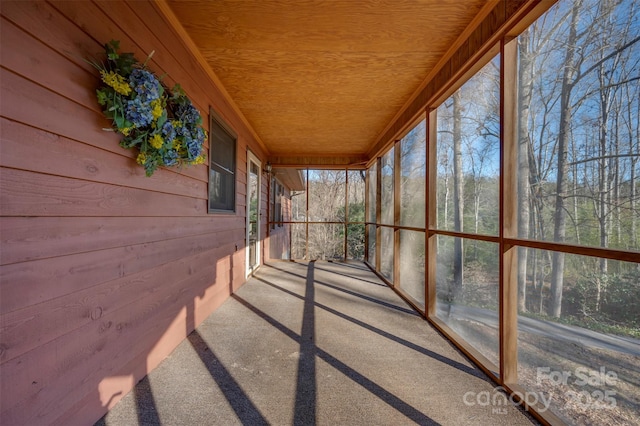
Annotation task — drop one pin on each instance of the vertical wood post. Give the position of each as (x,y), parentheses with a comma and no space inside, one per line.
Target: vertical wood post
(396,213)
(346,212)
(431,209)
(367,218)
(306,222)
(378,209)
(508,212)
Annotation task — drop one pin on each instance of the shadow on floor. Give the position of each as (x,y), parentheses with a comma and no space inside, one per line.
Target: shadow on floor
(305,406)
(462,367)
(306,386)
(244,408)
(350,292)
(306,395)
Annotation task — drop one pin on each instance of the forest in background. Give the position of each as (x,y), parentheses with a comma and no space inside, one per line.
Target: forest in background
(578,163)
(578,133)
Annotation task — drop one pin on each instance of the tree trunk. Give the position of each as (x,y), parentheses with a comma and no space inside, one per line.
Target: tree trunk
(632,206)
(525,84)
(603,183)
(616,178)
(564,133)
(633,184)
(458,194)
(446,201)
(575,195)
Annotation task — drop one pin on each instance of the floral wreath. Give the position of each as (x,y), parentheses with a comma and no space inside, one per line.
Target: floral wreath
(165,127)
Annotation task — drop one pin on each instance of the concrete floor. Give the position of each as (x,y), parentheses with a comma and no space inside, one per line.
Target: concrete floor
(314,343)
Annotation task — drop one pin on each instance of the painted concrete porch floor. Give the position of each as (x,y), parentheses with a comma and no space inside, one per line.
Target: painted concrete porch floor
(313,343)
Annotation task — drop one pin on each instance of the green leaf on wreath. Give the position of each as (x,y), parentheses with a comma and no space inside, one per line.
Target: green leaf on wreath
(162,119)
(126,63)
(119,121)
(102,97)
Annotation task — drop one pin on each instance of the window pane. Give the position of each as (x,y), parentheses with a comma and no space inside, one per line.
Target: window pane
(373,178)
(272,203)
(387,188)
(355,241)
(386,252)
(299,203)
(356,195)
(372,244)
(355,232)
(468,155)
(412,177)
(298,240)
(221,190)
(276,204)
(467,291)
(285,204)
(578,135)
(326,241)
(326,195)
(584,360)
(222,180)
(279,199)
(412,264)
(224,147)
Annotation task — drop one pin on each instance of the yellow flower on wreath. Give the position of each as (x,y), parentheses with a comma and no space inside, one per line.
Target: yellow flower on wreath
(116,81)
(198,160)
(156,141)
(142,158)
(156,109)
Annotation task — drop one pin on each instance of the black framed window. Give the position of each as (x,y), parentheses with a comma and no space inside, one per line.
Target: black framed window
(277,192)
(278,202)
(222,170)
(273,203)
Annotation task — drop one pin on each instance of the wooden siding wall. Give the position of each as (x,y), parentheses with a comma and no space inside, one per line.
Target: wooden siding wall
(104,271)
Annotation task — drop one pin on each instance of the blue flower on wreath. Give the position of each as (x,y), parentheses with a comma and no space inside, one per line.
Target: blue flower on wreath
(180,129)
(168,132)
(138,112)
(145,84)
(194,147)
(199,135)
(188,113)
(170,158)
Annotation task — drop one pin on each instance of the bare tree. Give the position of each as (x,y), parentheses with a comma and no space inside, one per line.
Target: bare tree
(568,80)
(458,194)
(525,85)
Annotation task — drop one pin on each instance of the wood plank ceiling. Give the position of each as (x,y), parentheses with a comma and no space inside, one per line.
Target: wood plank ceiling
(323,77)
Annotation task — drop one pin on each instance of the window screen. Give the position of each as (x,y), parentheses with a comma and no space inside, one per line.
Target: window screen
(222,171)
(277,192)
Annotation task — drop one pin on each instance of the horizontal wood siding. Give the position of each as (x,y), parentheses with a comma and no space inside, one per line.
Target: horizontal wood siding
(103,271)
